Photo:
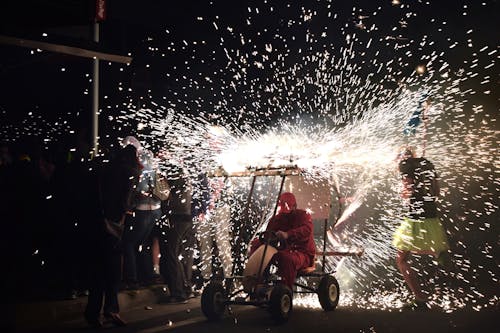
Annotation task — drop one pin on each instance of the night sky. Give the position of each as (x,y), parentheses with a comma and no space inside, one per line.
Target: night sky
(52,84)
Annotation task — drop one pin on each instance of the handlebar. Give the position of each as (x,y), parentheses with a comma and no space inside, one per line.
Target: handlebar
(269,237)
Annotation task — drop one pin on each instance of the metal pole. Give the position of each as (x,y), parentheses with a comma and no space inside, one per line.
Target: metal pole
(242,230)
(246,212)
(325,225)
(267,239)
(279,193)
(95,97)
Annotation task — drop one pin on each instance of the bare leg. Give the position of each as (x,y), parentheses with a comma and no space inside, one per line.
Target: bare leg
(409,275)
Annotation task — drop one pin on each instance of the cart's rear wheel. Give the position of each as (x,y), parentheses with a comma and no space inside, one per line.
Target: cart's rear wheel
(212,301)
(280,303)
(328,293)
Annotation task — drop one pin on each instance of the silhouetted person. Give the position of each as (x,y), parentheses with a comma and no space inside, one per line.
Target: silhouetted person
(214,231)
(181,223)
(137,260)
(114,189)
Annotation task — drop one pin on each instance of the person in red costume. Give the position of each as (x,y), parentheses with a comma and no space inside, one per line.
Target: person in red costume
(295,227)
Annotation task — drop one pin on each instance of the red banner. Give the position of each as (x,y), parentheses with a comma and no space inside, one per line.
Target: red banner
(100,10)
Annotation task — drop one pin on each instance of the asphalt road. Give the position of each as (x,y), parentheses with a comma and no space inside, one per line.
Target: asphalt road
(189,318)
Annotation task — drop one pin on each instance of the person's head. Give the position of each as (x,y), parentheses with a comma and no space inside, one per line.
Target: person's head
(132,140)
(406,152)
(127,156)
(287,203)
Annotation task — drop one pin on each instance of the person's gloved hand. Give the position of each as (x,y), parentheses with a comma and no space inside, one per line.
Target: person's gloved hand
(282,234)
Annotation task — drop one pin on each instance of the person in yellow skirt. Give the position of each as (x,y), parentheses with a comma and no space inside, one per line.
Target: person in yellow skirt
(421,231)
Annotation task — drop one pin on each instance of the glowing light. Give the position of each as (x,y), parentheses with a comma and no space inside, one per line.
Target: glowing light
(421,69)
(357,142)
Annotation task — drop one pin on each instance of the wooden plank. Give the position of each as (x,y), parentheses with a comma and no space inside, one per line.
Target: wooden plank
(65,49)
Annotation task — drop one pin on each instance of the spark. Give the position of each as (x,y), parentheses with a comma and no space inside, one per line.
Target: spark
(421,69)
(335,109)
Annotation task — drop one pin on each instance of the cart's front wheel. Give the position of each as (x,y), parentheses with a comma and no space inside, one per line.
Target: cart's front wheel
(280,303)
(212,301)
(328,293)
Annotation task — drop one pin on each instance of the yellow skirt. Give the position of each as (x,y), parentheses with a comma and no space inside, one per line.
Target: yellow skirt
(424,236)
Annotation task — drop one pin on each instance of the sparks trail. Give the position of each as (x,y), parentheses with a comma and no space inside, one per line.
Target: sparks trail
(315,88)
(341,108)
(361,154)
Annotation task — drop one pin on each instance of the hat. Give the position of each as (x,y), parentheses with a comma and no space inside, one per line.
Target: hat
(287,202)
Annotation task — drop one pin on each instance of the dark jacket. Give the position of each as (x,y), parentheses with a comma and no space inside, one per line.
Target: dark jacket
(116,183)
(201,195)
(179,202)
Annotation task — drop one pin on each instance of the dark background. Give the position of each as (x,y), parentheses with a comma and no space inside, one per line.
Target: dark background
(39,99)
(36,84)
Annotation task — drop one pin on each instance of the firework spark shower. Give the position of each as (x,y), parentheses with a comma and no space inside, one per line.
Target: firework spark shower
(330,87)
(334,98)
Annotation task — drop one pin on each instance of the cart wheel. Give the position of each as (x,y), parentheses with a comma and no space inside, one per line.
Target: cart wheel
(280,303)
(212,301)
(328,293)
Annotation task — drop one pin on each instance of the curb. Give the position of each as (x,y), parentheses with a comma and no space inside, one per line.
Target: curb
(44,314)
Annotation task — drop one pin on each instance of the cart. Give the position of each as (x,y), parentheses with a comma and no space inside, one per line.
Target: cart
(264,289)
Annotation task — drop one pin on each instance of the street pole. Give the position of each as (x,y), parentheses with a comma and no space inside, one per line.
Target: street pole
(95,97)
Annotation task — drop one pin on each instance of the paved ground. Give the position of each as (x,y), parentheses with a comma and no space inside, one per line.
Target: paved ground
(145,315)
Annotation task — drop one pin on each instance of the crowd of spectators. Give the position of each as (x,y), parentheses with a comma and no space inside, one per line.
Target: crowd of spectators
(50,202)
